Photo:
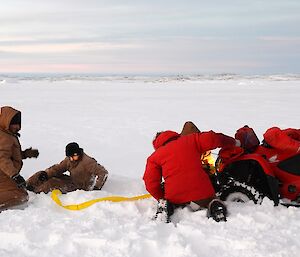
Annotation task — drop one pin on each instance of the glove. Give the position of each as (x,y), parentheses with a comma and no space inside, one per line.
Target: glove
(29,153)
(20,181)
(43,176)
(30,188)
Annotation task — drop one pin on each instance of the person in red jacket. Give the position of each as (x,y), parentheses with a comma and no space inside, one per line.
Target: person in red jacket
(287,140)
(176,161)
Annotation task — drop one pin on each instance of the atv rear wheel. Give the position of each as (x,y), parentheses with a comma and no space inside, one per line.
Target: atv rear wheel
(236,191)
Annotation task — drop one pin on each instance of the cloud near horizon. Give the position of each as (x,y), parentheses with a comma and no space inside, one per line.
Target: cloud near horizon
(150,37)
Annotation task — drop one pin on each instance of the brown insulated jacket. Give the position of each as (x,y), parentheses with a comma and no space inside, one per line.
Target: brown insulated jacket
(10,148)
(85,173)
(10,162)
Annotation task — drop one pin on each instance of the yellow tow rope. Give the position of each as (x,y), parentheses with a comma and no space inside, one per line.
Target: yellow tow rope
(206,159)
(76,207)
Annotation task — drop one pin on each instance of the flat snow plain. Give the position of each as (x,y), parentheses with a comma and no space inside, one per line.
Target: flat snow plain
(114,120)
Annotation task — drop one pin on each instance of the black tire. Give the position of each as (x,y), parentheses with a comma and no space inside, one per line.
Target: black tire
(240,192)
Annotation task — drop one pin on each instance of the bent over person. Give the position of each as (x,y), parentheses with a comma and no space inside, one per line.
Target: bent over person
(12,184)
(287,140)
(176,162)
(85,173)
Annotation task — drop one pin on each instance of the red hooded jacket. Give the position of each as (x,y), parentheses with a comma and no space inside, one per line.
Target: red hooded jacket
(283,139)
(177,160)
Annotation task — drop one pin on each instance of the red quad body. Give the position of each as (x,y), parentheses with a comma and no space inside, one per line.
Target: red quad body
(287,179)
(280,169)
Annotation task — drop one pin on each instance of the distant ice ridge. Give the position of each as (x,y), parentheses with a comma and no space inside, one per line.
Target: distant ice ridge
(15,78)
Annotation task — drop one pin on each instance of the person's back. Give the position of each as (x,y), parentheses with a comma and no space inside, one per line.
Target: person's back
(176,159)
(283,140)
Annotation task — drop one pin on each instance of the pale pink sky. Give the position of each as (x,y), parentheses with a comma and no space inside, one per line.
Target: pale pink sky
(146,37)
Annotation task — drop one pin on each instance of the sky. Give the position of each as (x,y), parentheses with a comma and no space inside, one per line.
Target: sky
(150,37)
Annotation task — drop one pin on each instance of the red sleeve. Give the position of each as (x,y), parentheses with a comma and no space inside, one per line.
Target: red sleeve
(279,139)
(153,178)
(210,140)
(293,133)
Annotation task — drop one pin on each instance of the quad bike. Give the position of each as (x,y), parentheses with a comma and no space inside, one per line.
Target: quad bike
(255,171)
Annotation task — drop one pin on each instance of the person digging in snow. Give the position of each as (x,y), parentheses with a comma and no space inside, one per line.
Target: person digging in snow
(85,173)
(12,184)
(176,162)
(285,140)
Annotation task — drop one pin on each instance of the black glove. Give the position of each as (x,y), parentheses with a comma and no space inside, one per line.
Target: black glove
(43,176)
(20,181)
(30,188)
(30,153)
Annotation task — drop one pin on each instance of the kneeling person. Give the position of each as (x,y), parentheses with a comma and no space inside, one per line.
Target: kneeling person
(176,162)
(85,173)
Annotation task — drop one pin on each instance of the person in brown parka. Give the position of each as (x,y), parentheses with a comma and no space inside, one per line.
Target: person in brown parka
(12,184)
(85,173)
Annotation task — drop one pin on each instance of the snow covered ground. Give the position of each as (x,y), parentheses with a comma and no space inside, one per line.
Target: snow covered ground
(114,120)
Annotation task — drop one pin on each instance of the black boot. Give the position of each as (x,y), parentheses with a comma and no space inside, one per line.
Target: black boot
(217,210)
(164,210)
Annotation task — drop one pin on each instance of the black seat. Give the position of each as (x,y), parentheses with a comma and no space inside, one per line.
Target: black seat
(291,165)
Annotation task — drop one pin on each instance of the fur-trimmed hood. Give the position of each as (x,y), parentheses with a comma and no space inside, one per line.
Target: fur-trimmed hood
(6,115)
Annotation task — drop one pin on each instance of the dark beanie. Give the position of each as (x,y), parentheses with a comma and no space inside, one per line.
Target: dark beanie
(73,149)
(16,119)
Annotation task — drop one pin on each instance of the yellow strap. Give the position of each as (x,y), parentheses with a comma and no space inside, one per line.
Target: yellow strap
(76,207)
